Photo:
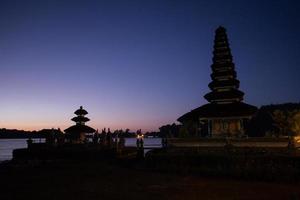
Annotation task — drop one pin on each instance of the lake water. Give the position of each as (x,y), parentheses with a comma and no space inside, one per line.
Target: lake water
(8,145)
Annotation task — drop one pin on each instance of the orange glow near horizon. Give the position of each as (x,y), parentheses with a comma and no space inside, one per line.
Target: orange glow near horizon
(43,116)
(38,126)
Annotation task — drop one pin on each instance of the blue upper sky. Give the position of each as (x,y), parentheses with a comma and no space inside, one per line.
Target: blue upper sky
(138,64)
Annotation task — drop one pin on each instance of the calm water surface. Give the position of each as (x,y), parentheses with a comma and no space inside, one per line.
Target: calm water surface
(8,145)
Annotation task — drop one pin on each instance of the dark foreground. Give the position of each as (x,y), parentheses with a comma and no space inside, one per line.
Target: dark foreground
(104,180)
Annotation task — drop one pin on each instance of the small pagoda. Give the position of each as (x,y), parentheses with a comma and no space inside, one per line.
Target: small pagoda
(225,114)
(77,133)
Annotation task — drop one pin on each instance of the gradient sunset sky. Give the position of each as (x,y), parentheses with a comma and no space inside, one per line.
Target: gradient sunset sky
(138,64)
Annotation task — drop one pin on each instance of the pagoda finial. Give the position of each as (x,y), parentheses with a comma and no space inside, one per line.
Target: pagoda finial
(221,28)
(80,111)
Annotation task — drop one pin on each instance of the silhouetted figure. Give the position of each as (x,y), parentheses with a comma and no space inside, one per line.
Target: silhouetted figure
(116,139)
(109,138)
(95,137)
(138,142)
(50,138)
(122,142)
(141,142)
(164,142)
(103,137)
(140,139)
(29,142)
(60,137)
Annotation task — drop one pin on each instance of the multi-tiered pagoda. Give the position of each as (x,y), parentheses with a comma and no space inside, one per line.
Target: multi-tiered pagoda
(77,133)
(225,114)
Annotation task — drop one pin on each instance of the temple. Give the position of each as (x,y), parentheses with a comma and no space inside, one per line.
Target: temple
(77,133)
(225,114)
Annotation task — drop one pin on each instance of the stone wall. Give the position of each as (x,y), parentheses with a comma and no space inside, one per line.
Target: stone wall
(238,142)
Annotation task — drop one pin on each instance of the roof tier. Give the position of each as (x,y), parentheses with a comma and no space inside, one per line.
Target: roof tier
(80,128)
(223,96)
(213,110)
(223,75)
(227,83)
(217,67)
(80,111)
(80,118)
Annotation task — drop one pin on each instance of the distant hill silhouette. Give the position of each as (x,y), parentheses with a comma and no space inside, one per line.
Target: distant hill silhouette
(14,133)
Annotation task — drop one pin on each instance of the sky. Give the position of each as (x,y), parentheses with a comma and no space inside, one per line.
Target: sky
(138,64)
